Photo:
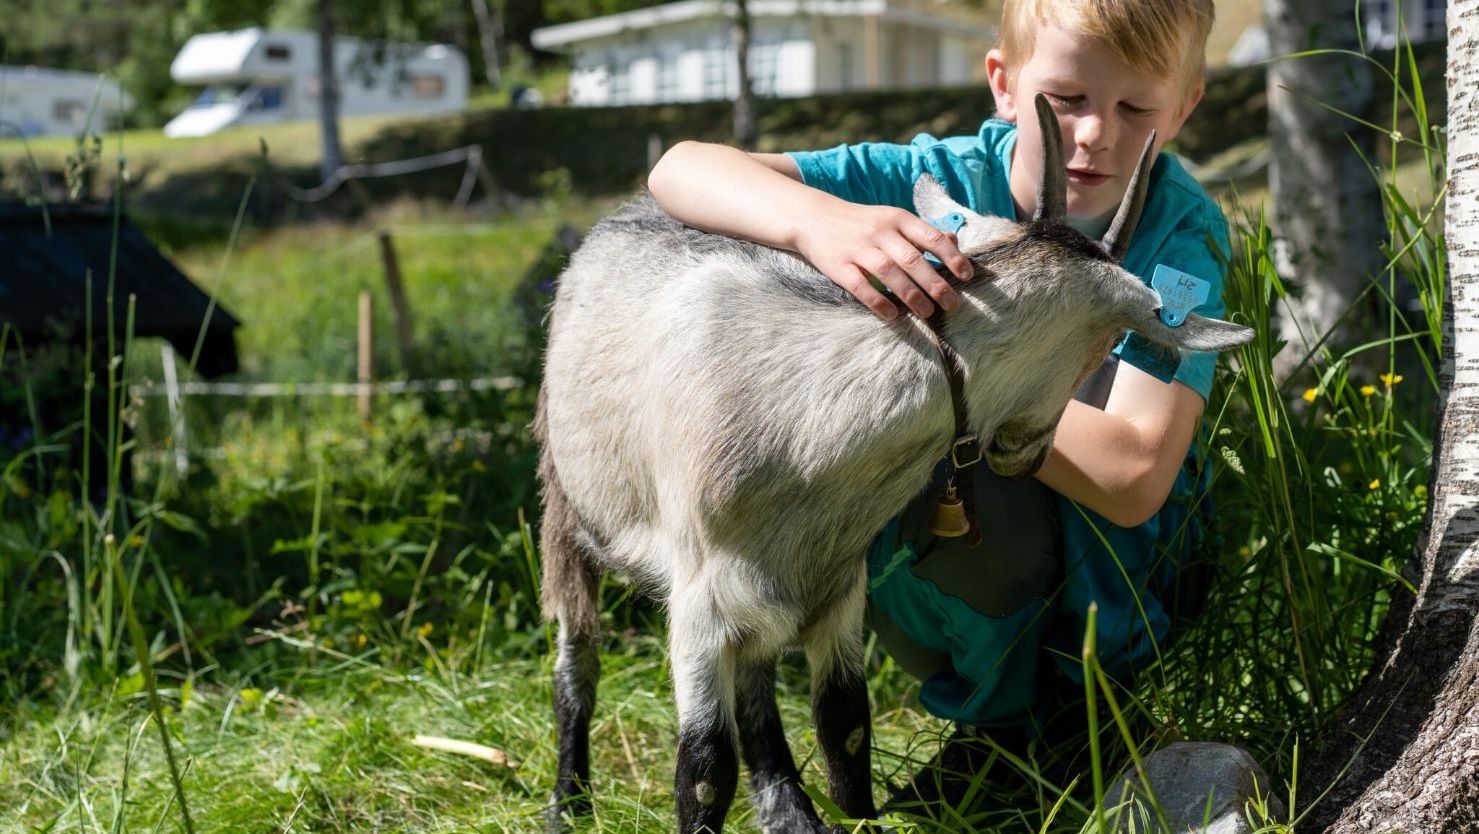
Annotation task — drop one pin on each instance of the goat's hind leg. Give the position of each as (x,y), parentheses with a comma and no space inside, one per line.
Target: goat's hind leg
(775,784)
(570,590)
(703,685)
(839,703)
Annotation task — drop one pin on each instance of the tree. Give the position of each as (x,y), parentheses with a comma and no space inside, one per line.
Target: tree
(746,127)
(1414,722)
(1326,205)
(488,37)
(328,93)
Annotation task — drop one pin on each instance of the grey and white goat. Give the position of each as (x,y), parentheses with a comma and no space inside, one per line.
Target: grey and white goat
(725,425)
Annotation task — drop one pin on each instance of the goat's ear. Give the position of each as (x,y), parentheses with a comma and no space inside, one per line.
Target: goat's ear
(1196,333)
(931,200)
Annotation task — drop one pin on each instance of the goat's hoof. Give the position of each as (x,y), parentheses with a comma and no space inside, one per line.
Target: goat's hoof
(559,817)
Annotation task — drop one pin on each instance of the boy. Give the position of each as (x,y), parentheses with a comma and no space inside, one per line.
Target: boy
(994,631)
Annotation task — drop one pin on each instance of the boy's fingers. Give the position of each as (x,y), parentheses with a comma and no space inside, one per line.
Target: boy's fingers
(923,273)
(894,277)
(857,285)
(943,246)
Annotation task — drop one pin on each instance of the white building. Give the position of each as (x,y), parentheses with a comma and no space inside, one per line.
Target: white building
(682,51)
(1424,20)
(258,76)
(1382,22)
(48,102)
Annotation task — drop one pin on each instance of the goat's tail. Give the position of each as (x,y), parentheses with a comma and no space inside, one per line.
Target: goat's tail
(571,584)
(571,581)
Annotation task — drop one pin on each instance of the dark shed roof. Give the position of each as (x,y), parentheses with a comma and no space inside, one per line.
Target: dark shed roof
(43,283)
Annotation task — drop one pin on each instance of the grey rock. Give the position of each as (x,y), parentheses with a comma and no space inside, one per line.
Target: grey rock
(1182,776)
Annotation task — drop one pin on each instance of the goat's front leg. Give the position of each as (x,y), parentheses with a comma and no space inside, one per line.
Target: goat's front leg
(1019,449)
(775,784)
(703,683)
(839,703)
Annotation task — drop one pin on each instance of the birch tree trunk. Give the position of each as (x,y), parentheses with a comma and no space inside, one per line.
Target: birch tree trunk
(746,127)
(1327,210)
(1419,769)
(328,92)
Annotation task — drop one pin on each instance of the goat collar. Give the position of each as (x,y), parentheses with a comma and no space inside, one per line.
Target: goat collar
(965,448)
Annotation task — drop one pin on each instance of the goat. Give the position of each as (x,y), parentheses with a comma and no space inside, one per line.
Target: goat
(725,425)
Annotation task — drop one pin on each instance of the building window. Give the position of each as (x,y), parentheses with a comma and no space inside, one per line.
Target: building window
(428,86)
(1434,21)
(763,60)
(278,52)
(844,66)
(667,77)
(621,82)
(68,111)
(716,72)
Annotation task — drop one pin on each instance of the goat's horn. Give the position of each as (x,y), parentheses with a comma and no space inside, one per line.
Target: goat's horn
(1117,239)
(1052,188)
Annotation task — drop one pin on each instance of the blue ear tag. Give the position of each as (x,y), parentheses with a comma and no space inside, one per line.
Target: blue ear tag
(1179,291)
(949,223)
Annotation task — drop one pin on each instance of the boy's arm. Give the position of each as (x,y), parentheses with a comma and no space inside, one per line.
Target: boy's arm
(760,197)
(1122,461)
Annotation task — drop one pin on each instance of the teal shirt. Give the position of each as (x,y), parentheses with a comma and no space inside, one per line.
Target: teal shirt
(1127,571)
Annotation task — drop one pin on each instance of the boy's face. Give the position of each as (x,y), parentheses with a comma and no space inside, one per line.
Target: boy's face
(1105,110)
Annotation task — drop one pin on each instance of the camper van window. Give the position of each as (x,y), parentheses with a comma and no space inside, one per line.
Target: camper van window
(278,52)
(68,111)
(265,98)
(428,86)
(220,94)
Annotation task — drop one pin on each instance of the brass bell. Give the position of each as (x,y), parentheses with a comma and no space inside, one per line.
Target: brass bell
(948,520)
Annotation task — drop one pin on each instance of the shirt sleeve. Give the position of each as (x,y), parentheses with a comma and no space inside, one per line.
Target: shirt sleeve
(873,173)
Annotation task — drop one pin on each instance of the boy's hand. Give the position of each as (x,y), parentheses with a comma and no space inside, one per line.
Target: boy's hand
(851,241)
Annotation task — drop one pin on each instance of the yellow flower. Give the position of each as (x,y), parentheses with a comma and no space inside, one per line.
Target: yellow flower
(1375,484)
(1309,394)
(136,540)
(1368,390)
(424,630)
(360,640)
(1390,379)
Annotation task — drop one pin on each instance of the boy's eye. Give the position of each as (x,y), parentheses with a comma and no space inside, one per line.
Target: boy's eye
(1137,111)
(1064,100)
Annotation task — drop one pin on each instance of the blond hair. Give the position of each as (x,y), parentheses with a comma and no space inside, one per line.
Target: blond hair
(1164,38)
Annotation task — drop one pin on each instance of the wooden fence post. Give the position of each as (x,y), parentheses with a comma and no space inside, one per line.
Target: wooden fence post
(366,356)
(398,304)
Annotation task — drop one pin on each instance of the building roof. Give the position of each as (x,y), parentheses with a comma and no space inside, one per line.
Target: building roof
(43,284)
(565,35)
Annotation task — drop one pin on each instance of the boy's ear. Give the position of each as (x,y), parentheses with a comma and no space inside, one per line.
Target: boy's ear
(1001,86)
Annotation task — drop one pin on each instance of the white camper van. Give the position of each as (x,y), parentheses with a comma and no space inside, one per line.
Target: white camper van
(259,76)
(48,102)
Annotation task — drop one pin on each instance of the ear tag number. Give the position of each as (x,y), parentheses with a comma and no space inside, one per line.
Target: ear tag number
(1179,292)
(948,223)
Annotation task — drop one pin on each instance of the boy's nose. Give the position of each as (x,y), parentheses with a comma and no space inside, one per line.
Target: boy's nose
(1092,131)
